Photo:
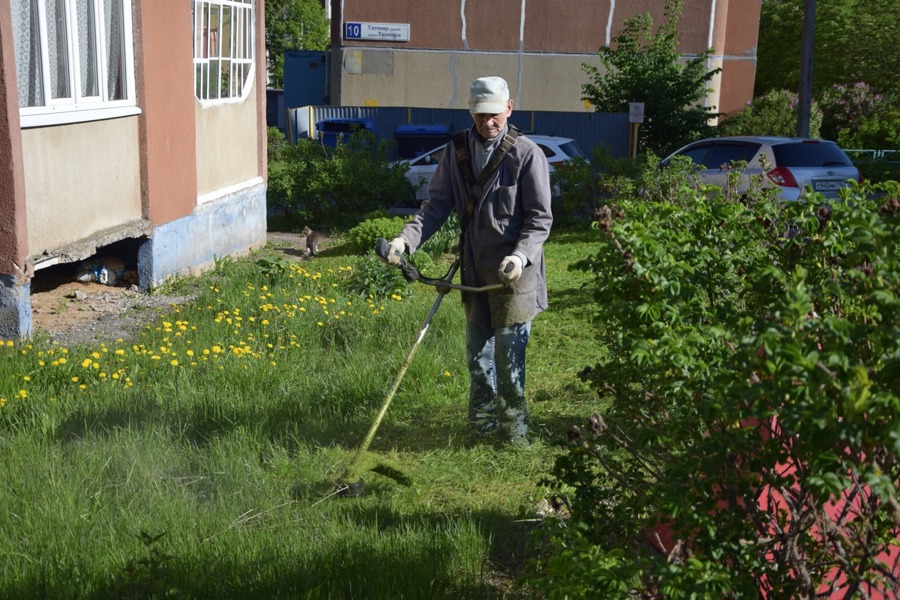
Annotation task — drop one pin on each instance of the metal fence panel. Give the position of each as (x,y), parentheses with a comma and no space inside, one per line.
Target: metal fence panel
(588,129)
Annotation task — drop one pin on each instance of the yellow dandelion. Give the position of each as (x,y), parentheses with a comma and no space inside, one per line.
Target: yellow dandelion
(23,394)
(174,362)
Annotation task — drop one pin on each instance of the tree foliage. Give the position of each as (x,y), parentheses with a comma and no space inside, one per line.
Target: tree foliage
(855,40)
(752,442)
(773,114)
(644,66)
(293,25)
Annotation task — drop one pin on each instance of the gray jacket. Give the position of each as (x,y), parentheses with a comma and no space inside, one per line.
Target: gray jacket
(512,216)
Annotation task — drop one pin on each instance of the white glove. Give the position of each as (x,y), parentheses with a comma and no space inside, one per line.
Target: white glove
(396,247)
(507,273)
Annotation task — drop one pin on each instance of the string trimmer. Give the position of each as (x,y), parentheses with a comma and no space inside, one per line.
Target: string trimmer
(351,482)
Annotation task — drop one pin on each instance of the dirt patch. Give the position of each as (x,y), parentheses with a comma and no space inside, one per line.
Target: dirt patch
(72,313)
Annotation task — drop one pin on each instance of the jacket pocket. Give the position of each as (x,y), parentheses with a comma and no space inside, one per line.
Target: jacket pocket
(506,201)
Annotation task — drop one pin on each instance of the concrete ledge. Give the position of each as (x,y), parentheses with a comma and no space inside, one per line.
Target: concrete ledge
(15,309)
(232,224)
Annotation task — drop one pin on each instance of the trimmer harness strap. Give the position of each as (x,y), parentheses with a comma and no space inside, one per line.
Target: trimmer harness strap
(476,186)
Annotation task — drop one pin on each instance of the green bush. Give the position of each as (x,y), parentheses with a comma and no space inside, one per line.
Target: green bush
(586,185)
(772,114)
(335,187)
(877,131)
(362,238)
(744,337)
(845,106)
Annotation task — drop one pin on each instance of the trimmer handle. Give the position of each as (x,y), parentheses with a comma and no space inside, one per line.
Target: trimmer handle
(382,247)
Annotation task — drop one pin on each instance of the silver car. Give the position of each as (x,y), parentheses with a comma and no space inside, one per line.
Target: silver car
(556,149)
(793,165)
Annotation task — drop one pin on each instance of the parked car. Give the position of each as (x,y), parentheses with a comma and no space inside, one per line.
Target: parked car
(556,149)
(792,163)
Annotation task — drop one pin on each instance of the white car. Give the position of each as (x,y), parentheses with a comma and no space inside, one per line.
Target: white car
(421,168)
(792,164)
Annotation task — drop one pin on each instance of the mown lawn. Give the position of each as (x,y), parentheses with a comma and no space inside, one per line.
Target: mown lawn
(199,459)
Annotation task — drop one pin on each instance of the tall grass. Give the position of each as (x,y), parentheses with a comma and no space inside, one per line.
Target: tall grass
(199,459)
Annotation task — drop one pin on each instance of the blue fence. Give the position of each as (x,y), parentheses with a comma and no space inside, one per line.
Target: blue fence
(588,129)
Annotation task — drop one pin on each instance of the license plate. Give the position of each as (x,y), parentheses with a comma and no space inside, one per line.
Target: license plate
(828,186)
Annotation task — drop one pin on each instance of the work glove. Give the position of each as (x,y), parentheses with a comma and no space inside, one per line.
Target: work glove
(510,274)
(396,247)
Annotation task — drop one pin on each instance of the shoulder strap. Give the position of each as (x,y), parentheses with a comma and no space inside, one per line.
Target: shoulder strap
(461,146)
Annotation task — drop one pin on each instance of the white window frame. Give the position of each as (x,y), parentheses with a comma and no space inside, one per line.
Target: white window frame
(78,108)
(213,55)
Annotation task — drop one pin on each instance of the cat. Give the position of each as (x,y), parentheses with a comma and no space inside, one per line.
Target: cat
(312,241)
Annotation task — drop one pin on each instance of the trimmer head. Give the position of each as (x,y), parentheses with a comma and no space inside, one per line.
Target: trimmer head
(351,490)
(355,489)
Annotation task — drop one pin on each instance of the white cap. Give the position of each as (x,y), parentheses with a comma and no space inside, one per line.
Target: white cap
(489,95)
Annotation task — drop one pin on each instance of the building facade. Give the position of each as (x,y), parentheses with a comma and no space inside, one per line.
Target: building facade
(138,121)
(425,54)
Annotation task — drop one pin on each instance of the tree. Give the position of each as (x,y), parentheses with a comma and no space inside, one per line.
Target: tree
(293,25)
(773,114)
(855,41)
(645,67)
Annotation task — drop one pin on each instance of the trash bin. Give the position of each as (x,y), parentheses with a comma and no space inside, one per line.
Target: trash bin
(331,131)
(413,140)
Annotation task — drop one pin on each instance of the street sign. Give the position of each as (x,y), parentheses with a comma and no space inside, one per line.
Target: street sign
(635,112)
(379,32)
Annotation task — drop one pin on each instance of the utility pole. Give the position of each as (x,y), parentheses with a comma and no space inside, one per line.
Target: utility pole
(804,107)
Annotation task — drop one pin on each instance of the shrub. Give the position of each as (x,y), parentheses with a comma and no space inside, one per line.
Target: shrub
(772,114)
(362,238)
(335,187)
(879,131)
(845,106)
(752,440)
(586,185)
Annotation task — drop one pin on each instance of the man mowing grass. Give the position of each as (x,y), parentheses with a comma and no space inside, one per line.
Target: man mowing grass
(498,182)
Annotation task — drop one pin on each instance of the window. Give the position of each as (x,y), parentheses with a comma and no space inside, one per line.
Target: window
(223,48)
(724,154)
(74,60)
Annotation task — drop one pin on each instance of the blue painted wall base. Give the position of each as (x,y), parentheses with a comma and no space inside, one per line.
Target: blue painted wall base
(229,225)
(15,309)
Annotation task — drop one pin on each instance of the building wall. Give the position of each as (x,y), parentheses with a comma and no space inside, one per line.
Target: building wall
(226,148)
(81,180)
(539,47)
(165,89)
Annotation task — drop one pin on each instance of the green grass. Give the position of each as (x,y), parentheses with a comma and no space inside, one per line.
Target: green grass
(199,459)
